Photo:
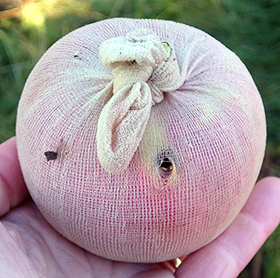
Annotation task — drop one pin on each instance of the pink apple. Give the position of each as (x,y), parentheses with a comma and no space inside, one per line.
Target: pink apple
(146,177)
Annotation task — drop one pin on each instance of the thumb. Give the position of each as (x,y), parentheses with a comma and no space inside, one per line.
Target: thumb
(12,187)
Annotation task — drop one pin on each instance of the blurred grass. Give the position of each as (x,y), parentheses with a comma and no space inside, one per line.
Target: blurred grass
(250,28)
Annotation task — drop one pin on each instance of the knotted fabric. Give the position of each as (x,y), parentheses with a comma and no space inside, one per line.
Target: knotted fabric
(135,59)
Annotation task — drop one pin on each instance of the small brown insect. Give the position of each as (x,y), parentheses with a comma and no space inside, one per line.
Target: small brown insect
(50,155)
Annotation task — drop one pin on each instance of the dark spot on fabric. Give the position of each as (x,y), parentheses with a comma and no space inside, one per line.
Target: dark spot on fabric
(50,155)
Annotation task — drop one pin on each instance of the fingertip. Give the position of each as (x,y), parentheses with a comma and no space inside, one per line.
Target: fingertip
(264,203)
(270,181)
(12,186)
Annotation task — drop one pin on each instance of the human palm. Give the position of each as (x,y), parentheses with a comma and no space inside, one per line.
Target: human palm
(30,247)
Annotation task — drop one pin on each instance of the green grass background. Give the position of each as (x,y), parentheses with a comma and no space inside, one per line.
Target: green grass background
(250,28)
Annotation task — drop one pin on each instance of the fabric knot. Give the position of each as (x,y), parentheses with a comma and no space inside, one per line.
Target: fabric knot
(139,61)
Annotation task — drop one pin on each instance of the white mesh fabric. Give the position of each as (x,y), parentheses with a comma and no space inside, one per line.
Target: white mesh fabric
(210,126)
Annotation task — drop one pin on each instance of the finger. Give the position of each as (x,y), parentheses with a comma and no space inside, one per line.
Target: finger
(12,187)
(231,252)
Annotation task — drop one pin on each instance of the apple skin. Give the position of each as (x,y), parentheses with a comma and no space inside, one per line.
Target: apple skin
(212,126)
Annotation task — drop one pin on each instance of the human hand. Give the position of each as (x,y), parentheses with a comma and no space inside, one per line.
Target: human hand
(30,247)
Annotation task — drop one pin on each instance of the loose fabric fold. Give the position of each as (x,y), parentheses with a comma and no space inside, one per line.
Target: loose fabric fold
(121,125)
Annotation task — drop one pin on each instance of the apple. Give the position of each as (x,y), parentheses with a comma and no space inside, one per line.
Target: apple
(140,140)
